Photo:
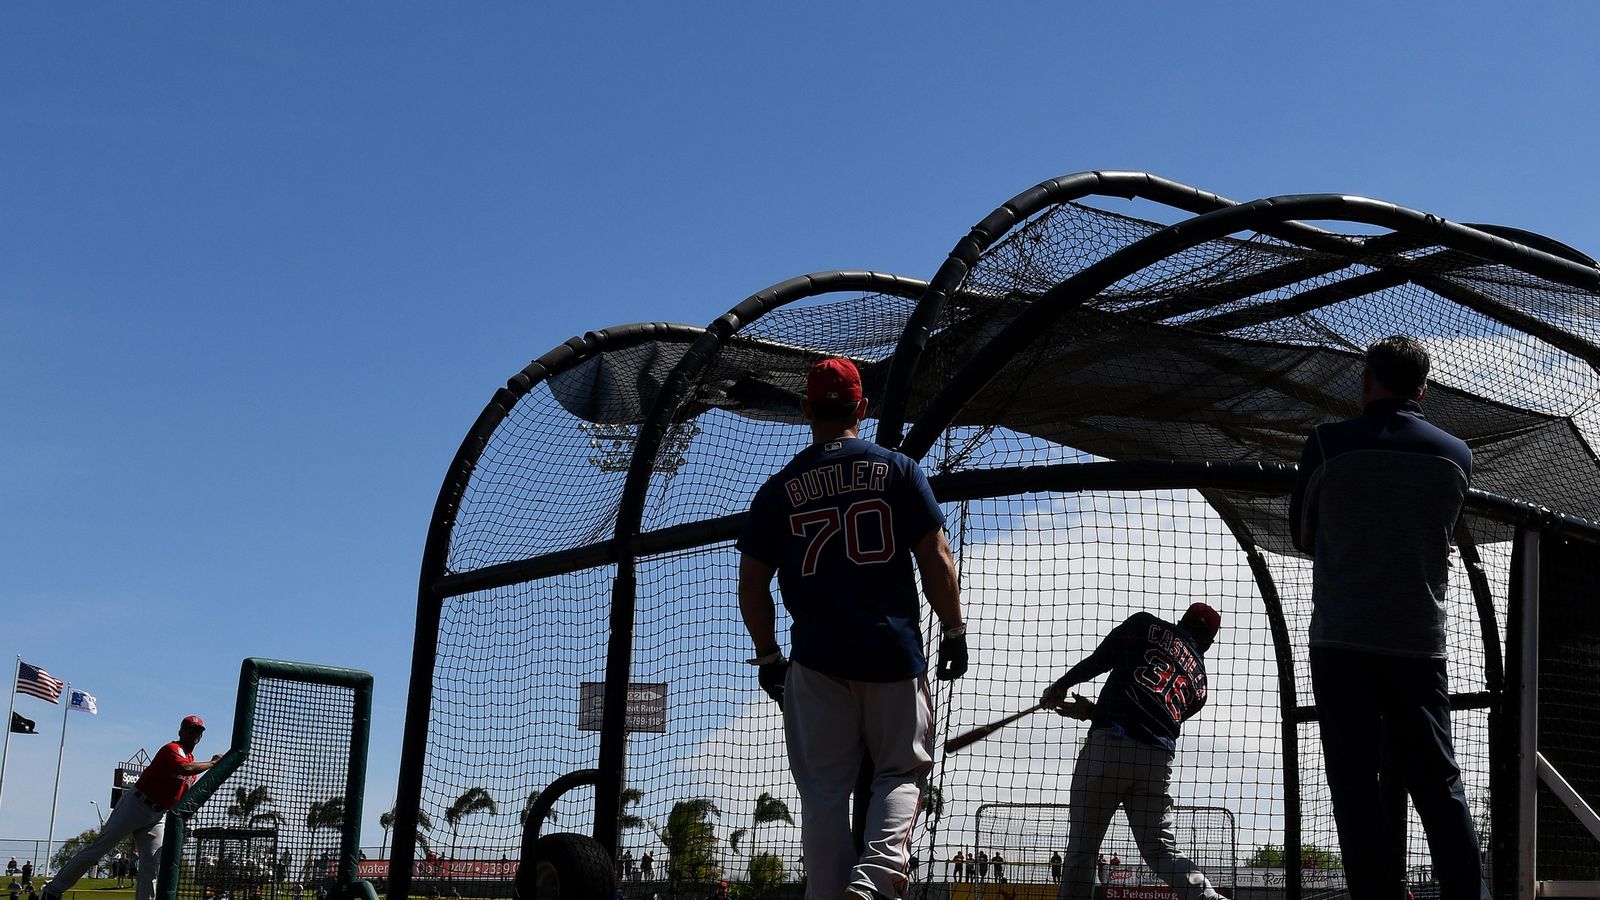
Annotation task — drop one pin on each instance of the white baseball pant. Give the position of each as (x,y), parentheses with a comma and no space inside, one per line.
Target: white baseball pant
(831,723)
(133,815)
(1114,771)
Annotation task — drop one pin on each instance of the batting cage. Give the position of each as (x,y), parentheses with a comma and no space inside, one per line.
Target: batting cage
(1109,408)
(279,816)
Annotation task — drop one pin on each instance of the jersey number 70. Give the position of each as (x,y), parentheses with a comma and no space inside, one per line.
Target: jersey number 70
(860,519)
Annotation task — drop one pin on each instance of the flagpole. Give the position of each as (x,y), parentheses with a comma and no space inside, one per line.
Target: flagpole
(50,837)
(6,752)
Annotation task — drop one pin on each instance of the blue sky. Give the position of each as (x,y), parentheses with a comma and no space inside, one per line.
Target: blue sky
(263,264)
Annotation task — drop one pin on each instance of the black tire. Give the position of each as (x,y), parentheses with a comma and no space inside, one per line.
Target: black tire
(572,867)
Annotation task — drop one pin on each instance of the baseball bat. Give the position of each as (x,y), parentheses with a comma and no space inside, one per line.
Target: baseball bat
(962,741)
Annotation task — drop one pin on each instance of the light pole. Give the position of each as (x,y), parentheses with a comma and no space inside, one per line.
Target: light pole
(98,814)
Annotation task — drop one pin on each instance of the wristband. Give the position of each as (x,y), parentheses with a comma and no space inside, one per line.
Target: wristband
(774,656)
(955,631)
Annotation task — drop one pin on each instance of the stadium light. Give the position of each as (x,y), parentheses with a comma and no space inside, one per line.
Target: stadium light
(614,443)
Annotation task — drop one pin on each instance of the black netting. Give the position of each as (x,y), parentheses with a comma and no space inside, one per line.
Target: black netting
(508,681)
(1569,705)
(273,828)
(1030,837)
(1230,351)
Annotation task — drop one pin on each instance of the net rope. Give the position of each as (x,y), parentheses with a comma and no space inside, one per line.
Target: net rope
(1228,351)
(273,828)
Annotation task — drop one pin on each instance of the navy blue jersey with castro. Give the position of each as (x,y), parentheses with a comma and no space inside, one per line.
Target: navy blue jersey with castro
(839,523)
(1158,679)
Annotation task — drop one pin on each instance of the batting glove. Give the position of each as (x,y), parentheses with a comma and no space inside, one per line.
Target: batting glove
(772,672)
(952,653)
(1055,694)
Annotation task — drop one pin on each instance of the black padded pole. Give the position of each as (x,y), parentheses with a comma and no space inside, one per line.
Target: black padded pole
(435,555)
(1283,655)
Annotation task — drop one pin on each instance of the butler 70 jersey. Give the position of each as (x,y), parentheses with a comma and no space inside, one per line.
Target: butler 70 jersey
(840,523)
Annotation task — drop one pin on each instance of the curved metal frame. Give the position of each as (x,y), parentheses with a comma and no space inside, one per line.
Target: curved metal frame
(1257,215)
(1215,217)
(630,508)
(1055,192)
(1267,216)
(435,551)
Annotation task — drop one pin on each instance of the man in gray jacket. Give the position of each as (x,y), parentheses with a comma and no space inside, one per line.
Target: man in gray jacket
(1375,503)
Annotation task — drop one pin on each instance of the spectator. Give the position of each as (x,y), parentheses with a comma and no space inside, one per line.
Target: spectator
(1102,870)
(11,867)
(14,889)
(647,866)
(983,865)
(958,864)
(27,872)
(1375,504)
(1055,865)
(999,863)
(915,864)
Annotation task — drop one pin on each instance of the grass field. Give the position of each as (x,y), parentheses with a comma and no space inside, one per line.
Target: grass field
(101,889)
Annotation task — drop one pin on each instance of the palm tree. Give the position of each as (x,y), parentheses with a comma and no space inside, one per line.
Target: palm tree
(325,814)
(249,807)
(386,822)
(527,808)
(472,800)
(628,821)
(768,809)
(691,841)
(933,802)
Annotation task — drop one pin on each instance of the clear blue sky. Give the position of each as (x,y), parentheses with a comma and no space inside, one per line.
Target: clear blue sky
(261,265)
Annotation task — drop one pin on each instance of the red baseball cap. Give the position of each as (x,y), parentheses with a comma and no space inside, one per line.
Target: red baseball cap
(192,722)
(833,380)
(1201,614)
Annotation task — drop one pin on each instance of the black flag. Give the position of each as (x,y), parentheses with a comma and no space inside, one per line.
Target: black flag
(20,725)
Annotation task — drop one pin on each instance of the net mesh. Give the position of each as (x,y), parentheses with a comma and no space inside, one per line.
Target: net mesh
(1031,837)
(273,828)
(1229,351)
(1569,658)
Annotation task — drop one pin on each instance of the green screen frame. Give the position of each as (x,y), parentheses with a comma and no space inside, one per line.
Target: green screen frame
(348,885)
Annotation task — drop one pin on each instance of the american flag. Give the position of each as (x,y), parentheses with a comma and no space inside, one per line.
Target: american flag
(36,682)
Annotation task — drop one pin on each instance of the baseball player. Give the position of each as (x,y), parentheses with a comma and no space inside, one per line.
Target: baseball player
(142,812)
(1158,680)
(840,526)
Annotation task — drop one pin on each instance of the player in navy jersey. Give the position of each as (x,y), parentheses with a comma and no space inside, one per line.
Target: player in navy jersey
(840,525)
(1158,681)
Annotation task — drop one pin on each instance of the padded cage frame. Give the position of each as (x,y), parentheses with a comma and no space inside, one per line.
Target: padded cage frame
(1227,342)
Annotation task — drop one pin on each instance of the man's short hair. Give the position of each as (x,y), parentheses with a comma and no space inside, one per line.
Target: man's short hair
(1399,364)
(834,410)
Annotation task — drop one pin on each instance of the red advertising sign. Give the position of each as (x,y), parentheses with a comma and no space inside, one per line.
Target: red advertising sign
(483,869)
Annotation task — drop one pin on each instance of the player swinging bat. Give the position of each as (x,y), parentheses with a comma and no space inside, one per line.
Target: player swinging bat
(1157,681)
